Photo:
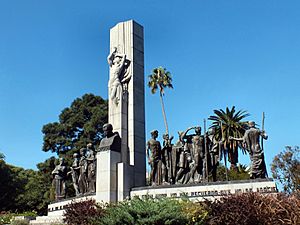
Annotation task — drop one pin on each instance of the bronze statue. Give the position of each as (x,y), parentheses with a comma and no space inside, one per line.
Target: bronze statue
(214,148)
(251,141)
(166,158)
(91,174)
(198,157)
(154,159)
(111,140)
(75,171)
(183,147)
(82,180)
(60,175)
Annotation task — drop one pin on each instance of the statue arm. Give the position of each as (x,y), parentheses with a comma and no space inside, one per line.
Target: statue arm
(236,139)
(184,135)
(264,135)
(123,58)
(111,56)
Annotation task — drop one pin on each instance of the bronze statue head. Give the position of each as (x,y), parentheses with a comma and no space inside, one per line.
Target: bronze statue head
(154,134)
(251,124)
(107,129)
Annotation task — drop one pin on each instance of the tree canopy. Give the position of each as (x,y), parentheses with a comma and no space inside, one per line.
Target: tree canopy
(229,123)
(78,125)
(25,189)
(286,168)
(160,79)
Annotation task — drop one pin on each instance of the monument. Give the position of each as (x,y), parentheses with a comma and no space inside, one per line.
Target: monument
(116,169)
(125,167)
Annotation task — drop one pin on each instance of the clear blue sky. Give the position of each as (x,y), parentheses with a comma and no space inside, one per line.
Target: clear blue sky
(220,53)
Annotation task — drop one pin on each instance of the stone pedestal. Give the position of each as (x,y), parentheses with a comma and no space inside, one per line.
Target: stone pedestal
(207,191)
(107,176)
(125,181)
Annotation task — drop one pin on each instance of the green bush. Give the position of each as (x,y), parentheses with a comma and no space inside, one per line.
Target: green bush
(144,212)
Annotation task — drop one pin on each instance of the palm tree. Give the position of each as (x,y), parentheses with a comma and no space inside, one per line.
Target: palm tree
(160,79)
(227,124)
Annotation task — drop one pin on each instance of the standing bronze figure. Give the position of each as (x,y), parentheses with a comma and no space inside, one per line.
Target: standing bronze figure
(75,171)
(154,159)
(82,180)
(251,141)
(91,174)
(60,175)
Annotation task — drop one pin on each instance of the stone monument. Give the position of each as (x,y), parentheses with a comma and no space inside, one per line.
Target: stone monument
(124,168)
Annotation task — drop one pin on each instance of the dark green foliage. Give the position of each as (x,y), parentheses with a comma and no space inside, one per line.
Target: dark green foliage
(286,168)
(2,156)
(255,209)
(78,125)
(144,212)
(81,213)
(238,173)
(25,190)
(13,180)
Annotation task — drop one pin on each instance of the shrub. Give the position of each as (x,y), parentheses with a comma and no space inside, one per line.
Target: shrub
(20,222)
(5,218)
(195,212)
(81,213)
(148,211)
(254,208)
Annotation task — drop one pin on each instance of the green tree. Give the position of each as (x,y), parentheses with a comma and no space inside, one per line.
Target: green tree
(78,125)
(2,156)
(160,79)
(7,188)
(286,168)
(37,188)
(240,173)
(227,124)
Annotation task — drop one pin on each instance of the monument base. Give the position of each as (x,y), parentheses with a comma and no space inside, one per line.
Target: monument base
(57,209)
(206,191)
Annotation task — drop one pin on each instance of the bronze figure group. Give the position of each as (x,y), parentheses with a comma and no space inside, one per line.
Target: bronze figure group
(82,171)
(84,166)
(188,161)
(196,156)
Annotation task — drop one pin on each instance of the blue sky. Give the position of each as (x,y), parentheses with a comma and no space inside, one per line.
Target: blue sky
(220,53)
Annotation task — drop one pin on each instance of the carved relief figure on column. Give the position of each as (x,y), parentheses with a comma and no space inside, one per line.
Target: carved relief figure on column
(154,159)
(116,62)
(91,174)
(82,180)
(60,175)
(75,172)
(251,141)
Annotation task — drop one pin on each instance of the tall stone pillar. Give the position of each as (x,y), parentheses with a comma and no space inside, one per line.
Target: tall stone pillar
(128,114)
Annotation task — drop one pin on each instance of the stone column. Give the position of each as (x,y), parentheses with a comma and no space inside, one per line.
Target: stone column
(128,117)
